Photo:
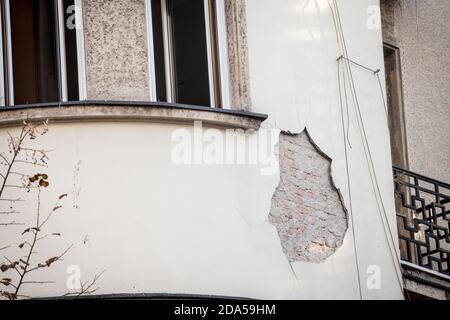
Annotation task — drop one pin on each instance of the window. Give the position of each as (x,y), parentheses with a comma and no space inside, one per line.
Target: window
(186,55)
(395,106)
(40,51)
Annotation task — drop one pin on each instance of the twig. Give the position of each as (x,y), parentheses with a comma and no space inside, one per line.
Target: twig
(12,263)
(51,261)
(13,200)
(38,282)
(86,290)
(8,224)
(5,213)
(32,163)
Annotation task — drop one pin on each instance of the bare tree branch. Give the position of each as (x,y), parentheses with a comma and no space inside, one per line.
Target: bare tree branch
(86,290)
(13,223)
(38,282)
(6,213)
(12,178)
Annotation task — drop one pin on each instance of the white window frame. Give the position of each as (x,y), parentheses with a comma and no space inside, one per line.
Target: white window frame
(62,50)
(2,73)
(81,57)
(62,63)
(9,61)
(222,53)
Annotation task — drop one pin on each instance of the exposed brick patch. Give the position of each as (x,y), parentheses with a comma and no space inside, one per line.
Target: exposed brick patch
(306,207)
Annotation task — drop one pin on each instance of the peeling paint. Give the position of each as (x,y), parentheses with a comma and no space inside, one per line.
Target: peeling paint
(307,209)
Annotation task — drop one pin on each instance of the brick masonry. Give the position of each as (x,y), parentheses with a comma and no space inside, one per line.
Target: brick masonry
(307,209)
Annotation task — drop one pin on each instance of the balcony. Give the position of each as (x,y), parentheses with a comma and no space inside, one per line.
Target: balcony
(423,218)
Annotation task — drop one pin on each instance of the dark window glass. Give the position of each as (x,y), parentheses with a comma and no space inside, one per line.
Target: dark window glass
(34,50)
(71,52)
(190,57)
(158,44)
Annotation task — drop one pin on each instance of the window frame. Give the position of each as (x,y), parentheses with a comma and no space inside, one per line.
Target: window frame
(395,104)
(6,66)
(217,48)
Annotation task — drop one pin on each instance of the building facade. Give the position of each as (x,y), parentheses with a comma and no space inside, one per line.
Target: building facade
(416,56)
(224,148)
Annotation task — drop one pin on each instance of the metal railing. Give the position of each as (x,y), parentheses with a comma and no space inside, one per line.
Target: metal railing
(423,215)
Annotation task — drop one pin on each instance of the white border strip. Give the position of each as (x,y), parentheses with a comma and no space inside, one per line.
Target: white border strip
(2,71)
(168,58)
(212,93)
(62,50)
(81,58)
(151,52)
(223,53)
(9,56)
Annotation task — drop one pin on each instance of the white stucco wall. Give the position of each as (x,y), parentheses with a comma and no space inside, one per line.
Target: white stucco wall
(293,72)
(156,227)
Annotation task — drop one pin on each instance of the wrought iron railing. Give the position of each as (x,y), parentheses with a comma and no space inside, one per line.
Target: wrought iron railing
(423,215)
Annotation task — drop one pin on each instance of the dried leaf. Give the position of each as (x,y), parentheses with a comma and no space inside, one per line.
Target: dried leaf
(44,183)
(42,178)
(6,267)
(49,262)
(8,295)
(6,281)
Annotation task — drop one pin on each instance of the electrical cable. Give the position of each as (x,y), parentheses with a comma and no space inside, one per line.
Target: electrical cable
(349,184)
(360,121)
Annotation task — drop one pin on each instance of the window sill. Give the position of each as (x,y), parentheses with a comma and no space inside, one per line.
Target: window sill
(92,111)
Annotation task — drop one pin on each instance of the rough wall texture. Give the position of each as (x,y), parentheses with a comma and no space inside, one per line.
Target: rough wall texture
(421,31)
(388,9)
(306,207)
(238,54)
(116,50)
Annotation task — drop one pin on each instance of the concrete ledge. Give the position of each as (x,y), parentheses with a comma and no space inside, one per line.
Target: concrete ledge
(97,111)
(426,282)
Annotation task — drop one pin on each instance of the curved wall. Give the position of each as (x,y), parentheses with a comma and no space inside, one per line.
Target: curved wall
(158,227)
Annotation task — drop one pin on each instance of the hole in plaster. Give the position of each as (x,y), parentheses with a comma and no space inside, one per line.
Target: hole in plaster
(307,209)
